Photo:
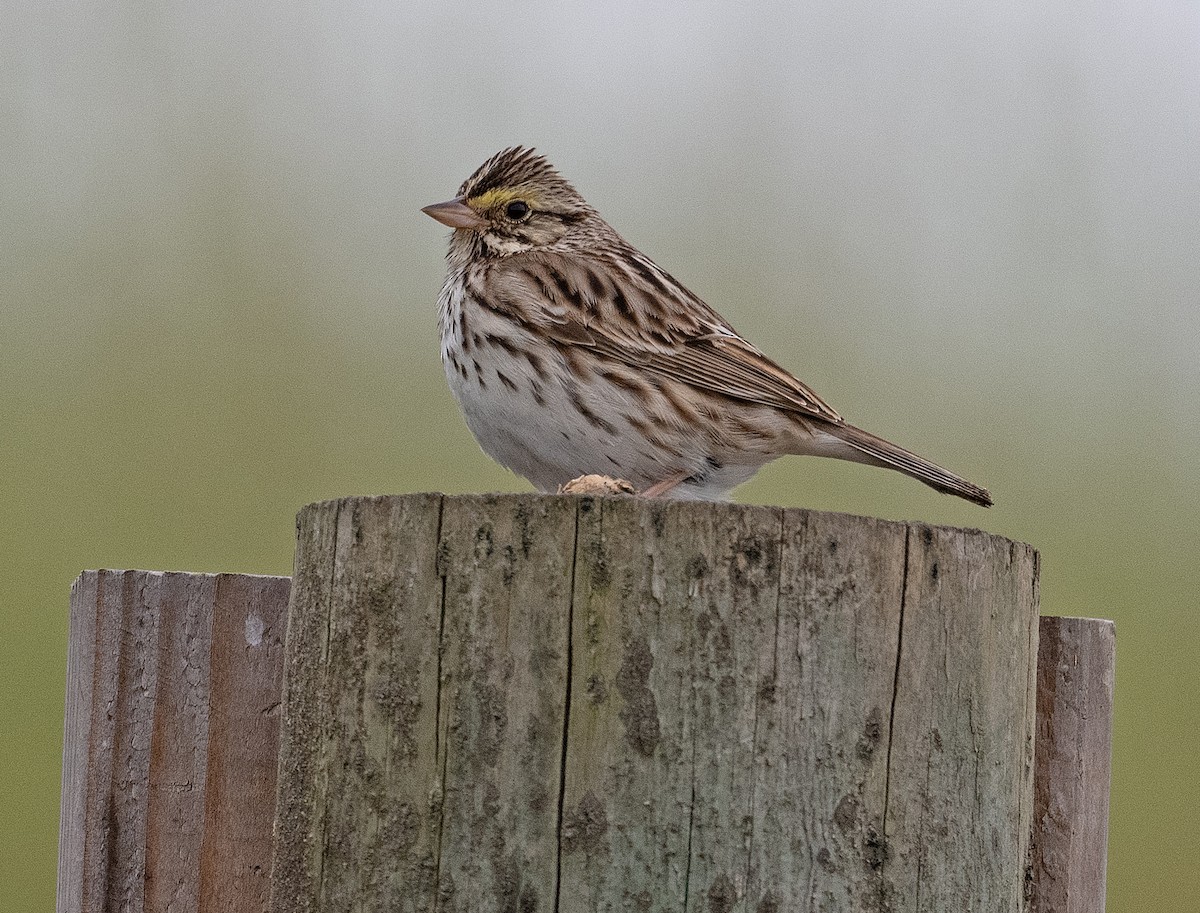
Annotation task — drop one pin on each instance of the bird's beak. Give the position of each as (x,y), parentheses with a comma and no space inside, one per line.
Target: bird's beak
(455,213)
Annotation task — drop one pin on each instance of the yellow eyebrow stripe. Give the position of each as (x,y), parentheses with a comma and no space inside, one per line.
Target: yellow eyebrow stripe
(498,196)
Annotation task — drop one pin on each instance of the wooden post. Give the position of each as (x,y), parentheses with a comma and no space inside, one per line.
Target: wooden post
(530,703)
(675,773)
(170,743)
(1076,666)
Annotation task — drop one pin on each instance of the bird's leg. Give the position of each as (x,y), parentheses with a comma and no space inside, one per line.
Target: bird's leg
(658,489)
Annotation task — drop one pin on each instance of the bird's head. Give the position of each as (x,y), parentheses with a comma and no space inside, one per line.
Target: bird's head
(514,202)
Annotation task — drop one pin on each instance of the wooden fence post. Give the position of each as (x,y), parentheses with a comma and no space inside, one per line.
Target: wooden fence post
(1076,666)
(171,742)
(529,703)
(540,704)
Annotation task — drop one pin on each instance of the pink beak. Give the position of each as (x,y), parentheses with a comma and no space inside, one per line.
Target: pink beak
(455,213)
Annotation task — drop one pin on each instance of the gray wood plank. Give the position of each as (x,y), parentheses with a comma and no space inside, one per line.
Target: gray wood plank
(506,563)
(960,759)
(360,783)
(426,693)
(299,809)
(162,809)
(824,716)
(663,699)
(249,625)
(177,791)
(1076,670)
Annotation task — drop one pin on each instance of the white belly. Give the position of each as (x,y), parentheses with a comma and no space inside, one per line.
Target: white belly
(538,418)
(550,441)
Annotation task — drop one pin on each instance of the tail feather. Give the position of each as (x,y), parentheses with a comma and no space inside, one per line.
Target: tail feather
(884,453)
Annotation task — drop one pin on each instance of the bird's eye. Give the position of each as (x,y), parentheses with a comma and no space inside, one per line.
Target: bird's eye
(517,209)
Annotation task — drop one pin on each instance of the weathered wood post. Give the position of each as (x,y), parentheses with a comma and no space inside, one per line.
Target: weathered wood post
(1076,667)
(530,703)
(171,742)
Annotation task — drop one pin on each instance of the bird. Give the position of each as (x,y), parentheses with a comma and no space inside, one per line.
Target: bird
(571,353)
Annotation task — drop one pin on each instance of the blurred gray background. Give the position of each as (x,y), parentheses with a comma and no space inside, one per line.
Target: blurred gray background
(974,230)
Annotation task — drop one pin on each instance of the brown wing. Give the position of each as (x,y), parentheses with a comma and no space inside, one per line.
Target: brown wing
(638,315)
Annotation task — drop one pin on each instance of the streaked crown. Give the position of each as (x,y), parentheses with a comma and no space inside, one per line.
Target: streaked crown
(517,168)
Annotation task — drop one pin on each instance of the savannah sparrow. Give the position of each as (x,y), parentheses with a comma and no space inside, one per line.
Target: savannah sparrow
(571,352)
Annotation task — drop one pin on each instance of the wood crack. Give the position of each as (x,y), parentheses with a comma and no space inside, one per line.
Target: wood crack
(758,698)
(687,871)
(562,770)
(323,751)
(439,749)
(887,776)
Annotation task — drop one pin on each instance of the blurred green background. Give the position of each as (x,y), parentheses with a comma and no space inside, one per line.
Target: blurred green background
(975,231)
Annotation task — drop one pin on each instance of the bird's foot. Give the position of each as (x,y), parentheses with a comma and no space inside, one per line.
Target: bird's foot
(596,485)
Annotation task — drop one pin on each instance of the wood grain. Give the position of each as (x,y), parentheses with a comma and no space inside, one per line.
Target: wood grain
(615,704)
(1076,668)
(521,703)
(170,741)
(960,761)
(360,788)
(826,703)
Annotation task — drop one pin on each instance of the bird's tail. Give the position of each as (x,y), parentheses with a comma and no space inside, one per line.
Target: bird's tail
(865,447)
